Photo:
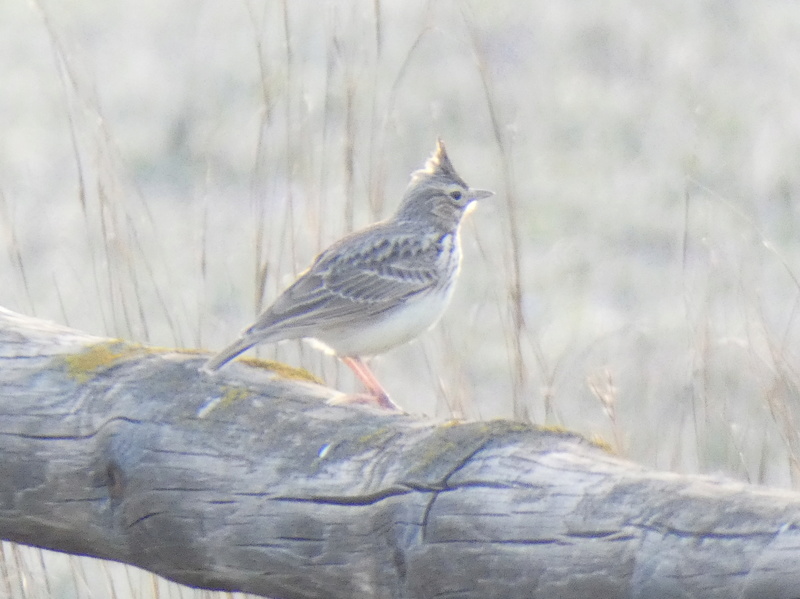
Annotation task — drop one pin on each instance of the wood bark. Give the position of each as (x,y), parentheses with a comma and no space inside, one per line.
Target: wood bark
(249,481)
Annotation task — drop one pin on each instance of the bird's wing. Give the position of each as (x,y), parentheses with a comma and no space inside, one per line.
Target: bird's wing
(361,276)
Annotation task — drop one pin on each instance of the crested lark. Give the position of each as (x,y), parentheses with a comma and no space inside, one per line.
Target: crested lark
(379,287)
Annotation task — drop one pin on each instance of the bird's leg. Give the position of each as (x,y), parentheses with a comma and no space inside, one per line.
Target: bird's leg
(377,393)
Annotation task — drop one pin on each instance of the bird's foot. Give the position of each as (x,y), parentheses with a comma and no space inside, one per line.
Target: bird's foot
(376,393)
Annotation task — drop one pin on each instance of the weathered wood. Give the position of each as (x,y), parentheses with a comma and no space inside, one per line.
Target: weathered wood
(276,493)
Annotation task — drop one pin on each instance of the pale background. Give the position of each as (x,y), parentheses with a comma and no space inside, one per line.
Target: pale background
(166,167)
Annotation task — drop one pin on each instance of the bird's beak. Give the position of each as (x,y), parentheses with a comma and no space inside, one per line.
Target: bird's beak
(480,194)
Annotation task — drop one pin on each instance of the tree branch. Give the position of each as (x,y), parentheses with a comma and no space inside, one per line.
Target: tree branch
(250,481)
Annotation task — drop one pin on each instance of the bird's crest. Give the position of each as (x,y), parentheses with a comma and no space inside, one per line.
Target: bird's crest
(438,166)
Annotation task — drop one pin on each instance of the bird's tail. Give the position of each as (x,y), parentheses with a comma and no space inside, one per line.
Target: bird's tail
(229,353)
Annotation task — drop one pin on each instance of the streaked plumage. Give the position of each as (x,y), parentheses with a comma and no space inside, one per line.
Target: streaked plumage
(378,287)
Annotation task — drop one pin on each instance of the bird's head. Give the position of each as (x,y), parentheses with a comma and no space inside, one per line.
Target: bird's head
(437,194)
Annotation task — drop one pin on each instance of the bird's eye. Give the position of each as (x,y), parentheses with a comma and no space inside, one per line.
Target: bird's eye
(456,195)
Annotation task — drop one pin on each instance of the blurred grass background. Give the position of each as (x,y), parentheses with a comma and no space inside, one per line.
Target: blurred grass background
(166,168)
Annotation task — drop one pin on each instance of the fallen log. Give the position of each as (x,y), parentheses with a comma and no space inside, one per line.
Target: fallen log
(251,482)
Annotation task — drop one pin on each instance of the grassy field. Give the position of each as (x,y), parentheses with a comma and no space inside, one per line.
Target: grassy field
(166,168)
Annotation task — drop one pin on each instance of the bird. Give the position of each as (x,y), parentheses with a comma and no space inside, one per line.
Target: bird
(378,287)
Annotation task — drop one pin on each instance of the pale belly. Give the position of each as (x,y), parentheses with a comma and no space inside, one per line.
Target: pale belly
(397,328)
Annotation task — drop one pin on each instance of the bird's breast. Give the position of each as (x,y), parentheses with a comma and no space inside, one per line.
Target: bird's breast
(449,261)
